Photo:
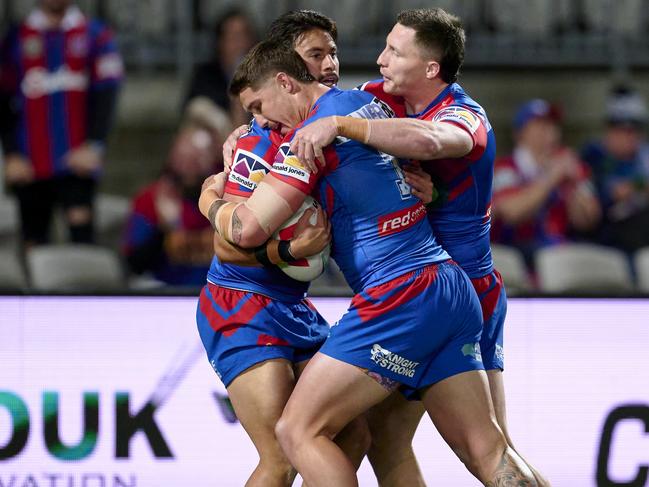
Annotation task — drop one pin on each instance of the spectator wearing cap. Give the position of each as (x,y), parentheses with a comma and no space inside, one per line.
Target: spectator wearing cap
(542,191)
(619,162)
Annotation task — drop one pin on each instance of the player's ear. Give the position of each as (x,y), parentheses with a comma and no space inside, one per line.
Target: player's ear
(432,69)
(285,82)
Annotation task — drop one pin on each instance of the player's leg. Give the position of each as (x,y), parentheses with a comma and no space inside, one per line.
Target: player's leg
(460,407)
(392,424)
(354,439)
(77,195)
(493,299)
(36,203)
(252,342)
(329,394)
(258,397)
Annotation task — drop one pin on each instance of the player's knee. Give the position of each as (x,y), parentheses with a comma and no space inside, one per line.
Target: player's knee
(287,434)
(355,437)
(482,455)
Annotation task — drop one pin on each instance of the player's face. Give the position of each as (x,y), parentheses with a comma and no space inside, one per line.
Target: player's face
(270,105)
(318,50)
(403,66)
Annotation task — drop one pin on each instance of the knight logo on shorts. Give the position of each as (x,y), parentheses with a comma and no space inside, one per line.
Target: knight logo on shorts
(472,349)
(392,362)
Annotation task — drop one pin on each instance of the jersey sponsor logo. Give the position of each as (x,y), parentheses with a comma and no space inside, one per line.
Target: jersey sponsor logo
(40,82)
(401,220)
(392,362)
(374,110)
(248,169)
(460,115)
(289,165)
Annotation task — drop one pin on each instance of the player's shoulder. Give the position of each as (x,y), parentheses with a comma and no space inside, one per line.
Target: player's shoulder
(257,135)
(460,97)
(341,102)
(457,106)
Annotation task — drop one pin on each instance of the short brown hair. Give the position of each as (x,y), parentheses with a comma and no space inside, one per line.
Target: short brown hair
(439,33)
(266,59)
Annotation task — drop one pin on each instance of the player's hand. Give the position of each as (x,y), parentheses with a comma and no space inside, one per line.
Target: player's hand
(309,239)
(18,170)
(421,184)
(229,146)
(211,190)
(564,166)
(216,183)
(309,142)
(85,159)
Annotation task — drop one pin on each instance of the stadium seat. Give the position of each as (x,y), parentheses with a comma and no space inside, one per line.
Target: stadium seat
(583,268)
(511,265)
(641,263)
(111,213)
(12,274)
(9,226)
(74,268)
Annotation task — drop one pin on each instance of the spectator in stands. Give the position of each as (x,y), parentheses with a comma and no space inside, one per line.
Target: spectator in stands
(620,165)
(541,191)
(59,78)
(166,235)
(235,34)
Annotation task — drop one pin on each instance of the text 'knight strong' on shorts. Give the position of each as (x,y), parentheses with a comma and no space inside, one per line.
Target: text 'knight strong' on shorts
(392,362)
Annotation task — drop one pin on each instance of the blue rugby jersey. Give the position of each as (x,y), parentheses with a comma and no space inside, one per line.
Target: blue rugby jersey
(253,158)
(379,228)
(461,214)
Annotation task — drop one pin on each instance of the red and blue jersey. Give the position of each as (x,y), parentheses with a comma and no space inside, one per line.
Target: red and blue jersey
(50,73)
(143,240)
(460,215)
(379,228)
(253,158)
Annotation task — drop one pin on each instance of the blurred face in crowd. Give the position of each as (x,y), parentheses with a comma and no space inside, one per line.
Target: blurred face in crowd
(192,159)
(318,50)
(623,140)
(236,39)
(55,6)
(402,63)
(540,135)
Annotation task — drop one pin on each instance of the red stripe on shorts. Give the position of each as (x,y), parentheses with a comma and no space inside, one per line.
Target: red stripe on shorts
(228,299)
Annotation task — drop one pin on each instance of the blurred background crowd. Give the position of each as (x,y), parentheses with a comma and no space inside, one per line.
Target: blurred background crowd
(101,180)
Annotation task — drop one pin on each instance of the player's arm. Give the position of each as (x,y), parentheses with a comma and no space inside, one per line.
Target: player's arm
(250,224)
(307,240)
(401,137)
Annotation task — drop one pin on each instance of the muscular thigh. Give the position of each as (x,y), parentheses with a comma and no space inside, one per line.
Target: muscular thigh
(394,420)
(258,397)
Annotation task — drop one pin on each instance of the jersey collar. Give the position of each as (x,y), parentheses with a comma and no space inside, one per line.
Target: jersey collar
(72,19)
(443,94)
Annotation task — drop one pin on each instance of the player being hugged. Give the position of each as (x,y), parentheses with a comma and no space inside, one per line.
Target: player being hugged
(256,327)
(415,320)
